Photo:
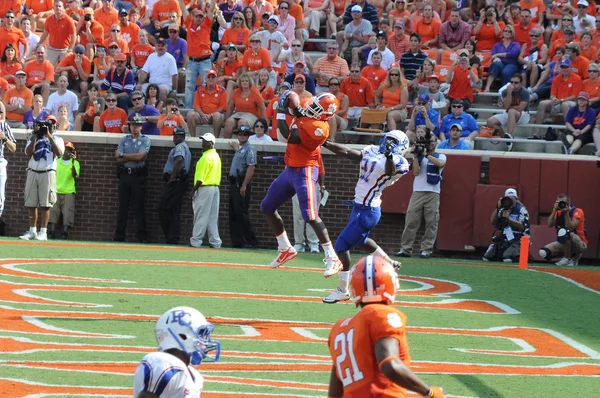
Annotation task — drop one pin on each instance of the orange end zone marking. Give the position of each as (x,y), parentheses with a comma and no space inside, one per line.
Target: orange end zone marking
(587,278)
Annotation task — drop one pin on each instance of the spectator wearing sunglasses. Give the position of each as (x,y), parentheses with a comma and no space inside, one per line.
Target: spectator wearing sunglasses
(295,55)
(147,114)
(533,56)
(299,69)
(120,81)
(583,21)
(515,100)
(112,119)
(469,126)
(329,66)
(260,129)
(210,103)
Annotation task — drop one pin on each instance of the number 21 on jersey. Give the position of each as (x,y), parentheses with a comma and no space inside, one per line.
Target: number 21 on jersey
(344,343)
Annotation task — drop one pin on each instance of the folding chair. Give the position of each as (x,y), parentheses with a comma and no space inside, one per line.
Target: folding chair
(372,117)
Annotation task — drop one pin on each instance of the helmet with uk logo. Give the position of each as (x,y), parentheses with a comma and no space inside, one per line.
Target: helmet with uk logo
(322,106)
(373,280)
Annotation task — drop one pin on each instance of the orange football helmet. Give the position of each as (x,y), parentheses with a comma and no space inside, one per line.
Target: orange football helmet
(373,280)
(322,106)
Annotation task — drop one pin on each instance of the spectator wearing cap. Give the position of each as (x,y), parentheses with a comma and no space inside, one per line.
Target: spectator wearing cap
(583,22)
(392,94)
(67,173)
(565,88)
(129,31)
(240,176)
(387,56)
(455,141)
(18,100)
(579,120)
(295,55)
(114,36)
(273,40)
(162,68)
(140,52)
(287,23)
(359,92)
(131,156)
(210,103)
(169,121)
(428,27)
(8,141)
(238,34)
(424,115)
(470,129)
(515,100)
(148,114)
(367,10)
(399,41)
(106,15)
(375,73)
(299,87)
(299,69)
(90,107)
(461,78)
(488,30)
(579,63)
(314,15)
(172,23)
(10,34)
(505,56)
(199,50)
(40,186)
(90,32)
(59,29)
(356,33)
(206,195)
(40,73)
(120,81)
(175,175)
(412,60)
(177,47)
(32,38)
(113,119)
(454,33)
(244,106)
(328,66)
(229,68)
(77,67)
(63,97)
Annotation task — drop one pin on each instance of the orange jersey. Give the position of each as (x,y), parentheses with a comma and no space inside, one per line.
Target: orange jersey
(590,53)
(352,348)
(236,36)
(171,121)
(257,61)
(161,11)
(487,36)
(565,88)
(360,93)
(61,31)
(14,5)
(313,134)
(229,70)
(130,34)
(6,69)
(111,122)
(198,38)
(267,93)
(374,75)
(102,70)
(15,97)
(141,53)
(69,60)
(592,87)
(210,101)
(537,7)
(106,19)
(37,73)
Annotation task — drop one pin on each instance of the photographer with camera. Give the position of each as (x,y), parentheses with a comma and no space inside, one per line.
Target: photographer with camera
(571,240)
(510,219)
(43,149)
(427,166)
(172,119)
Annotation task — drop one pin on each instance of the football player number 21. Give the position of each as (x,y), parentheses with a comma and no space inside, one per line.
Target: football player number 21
(344,343)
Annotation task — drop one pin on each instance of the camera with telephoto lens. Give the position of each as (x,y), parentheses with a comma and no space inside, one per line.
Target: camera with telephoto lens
(506,203)
(42,127)
(422,143)
(87,18)
(562,205)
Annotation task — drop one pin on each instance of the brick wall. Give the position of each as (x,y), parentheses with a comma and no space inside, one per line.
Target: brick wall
(97,193)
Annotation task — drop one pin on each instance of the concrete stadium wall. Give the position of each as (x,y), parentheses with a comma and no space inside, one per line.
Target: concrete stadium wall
(97,193)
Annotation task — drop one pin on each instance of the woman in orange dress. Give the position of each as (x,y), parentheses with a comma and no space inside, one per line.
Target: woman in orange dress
(244,107)
(393,96)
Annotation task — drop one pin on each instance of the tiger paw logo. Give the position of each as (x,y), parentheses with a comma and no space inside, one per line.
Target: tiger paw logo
(332,108)
(394,320)
(318,132)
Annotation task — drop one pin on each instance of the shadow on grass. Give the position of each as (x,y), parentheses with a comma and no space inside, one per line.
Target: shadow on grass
(475,384)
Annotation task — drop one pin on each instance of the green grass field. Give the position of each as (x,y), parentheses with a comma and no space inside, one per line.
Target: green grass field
(76,318)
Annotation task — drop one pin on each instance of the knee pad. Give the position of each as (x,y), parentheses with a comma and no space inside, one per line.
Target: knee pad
(545,254)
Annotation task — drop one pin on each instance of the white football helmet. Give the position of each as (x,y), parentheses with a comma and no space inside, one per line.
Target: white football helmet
(398,138)
(186,329)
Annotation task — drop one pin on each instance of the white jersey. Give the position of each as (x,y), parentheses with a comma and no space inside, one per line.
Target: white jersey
(372,179)
(167,376)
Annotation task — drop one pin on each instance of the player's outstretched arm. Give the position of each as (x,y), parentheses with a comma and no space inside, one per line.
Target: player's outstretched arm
(336,388)
(343,150)
(386,353)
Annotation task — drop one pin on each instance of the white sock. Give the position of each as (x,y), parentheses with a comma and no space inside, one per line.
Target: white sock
(328,249)
(379,252)
(43,230)
(344,280)
(283,242)
(32,229)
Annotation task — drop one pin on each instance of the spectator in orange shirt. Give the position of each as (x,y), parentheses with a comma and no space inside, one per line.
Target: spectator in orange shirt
(537,8)
(18,100)
(114,36)
(40,73)
(10,34)
(375,73)
(107,16)
(523,28)
(38,11)
(256,58)
(60,32)
(393,96)
(488,30)
(210,103)
(579,63)
(113,119)
(587,49)
(160,14)
(592,86)
(101,64)
(129,30)
(565,88)
(238,35)
(90,32)
(266,91)
(140,52)
(77,67)
(359,92)
(251,18)
(244,106)
(9,64)
(229,67)
(428,28)
(167,122)
(199,49)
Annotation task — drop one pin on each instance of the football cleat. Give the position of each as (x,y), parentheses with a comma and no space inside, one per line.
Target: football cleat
(41,236)
(284,256)
(332,266)
(28,235)
(396,264)
(337,295)
(373,280)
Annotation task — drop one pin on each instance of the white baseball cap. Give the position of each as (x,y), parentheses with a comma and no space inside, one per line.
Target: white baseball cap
(209,137)
(583,3)
(511,192)
(356,8)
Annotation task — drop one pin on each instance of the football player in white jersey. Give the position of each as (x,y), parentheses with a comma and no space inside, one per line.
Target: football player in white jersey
(183,336)
(380,167)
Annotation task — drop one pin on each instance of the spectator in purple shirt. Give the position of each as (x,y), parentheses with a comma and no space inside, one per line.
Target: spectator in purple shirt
(580,121)
(37,113)
(229,8)
(177,47)
(505,57)
(454,33)
(147,112)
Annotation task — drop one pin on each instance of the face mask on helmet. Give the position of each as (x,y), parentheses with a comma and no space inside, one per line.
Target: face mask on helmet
(187,330)
(322,107)
(398,141)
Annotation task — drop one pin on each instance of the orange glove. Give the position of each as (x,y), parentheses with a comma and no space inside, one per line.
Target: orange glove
(436,392)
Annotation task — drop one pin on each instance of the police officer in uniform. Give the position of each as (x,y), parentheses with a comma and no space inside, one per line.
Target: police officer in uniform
(131,156)
(175,175)
(240,187)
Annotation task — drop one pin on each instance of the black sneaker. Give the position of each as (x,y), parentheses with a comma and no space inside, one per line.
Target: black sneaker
(51,235)
(65,235)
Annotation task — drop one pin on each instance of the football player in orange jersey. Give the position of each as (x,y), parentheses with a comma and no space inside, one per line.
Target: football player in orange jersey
(304,134)
(370,349)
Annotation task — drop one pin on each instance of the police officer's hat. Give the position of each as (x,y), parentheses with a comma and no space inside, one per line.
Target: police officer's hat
(179,131)
(136,119)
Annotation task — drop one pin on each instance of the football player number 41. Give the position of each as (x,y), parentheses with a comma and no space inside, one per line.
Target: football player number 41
(344,343)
